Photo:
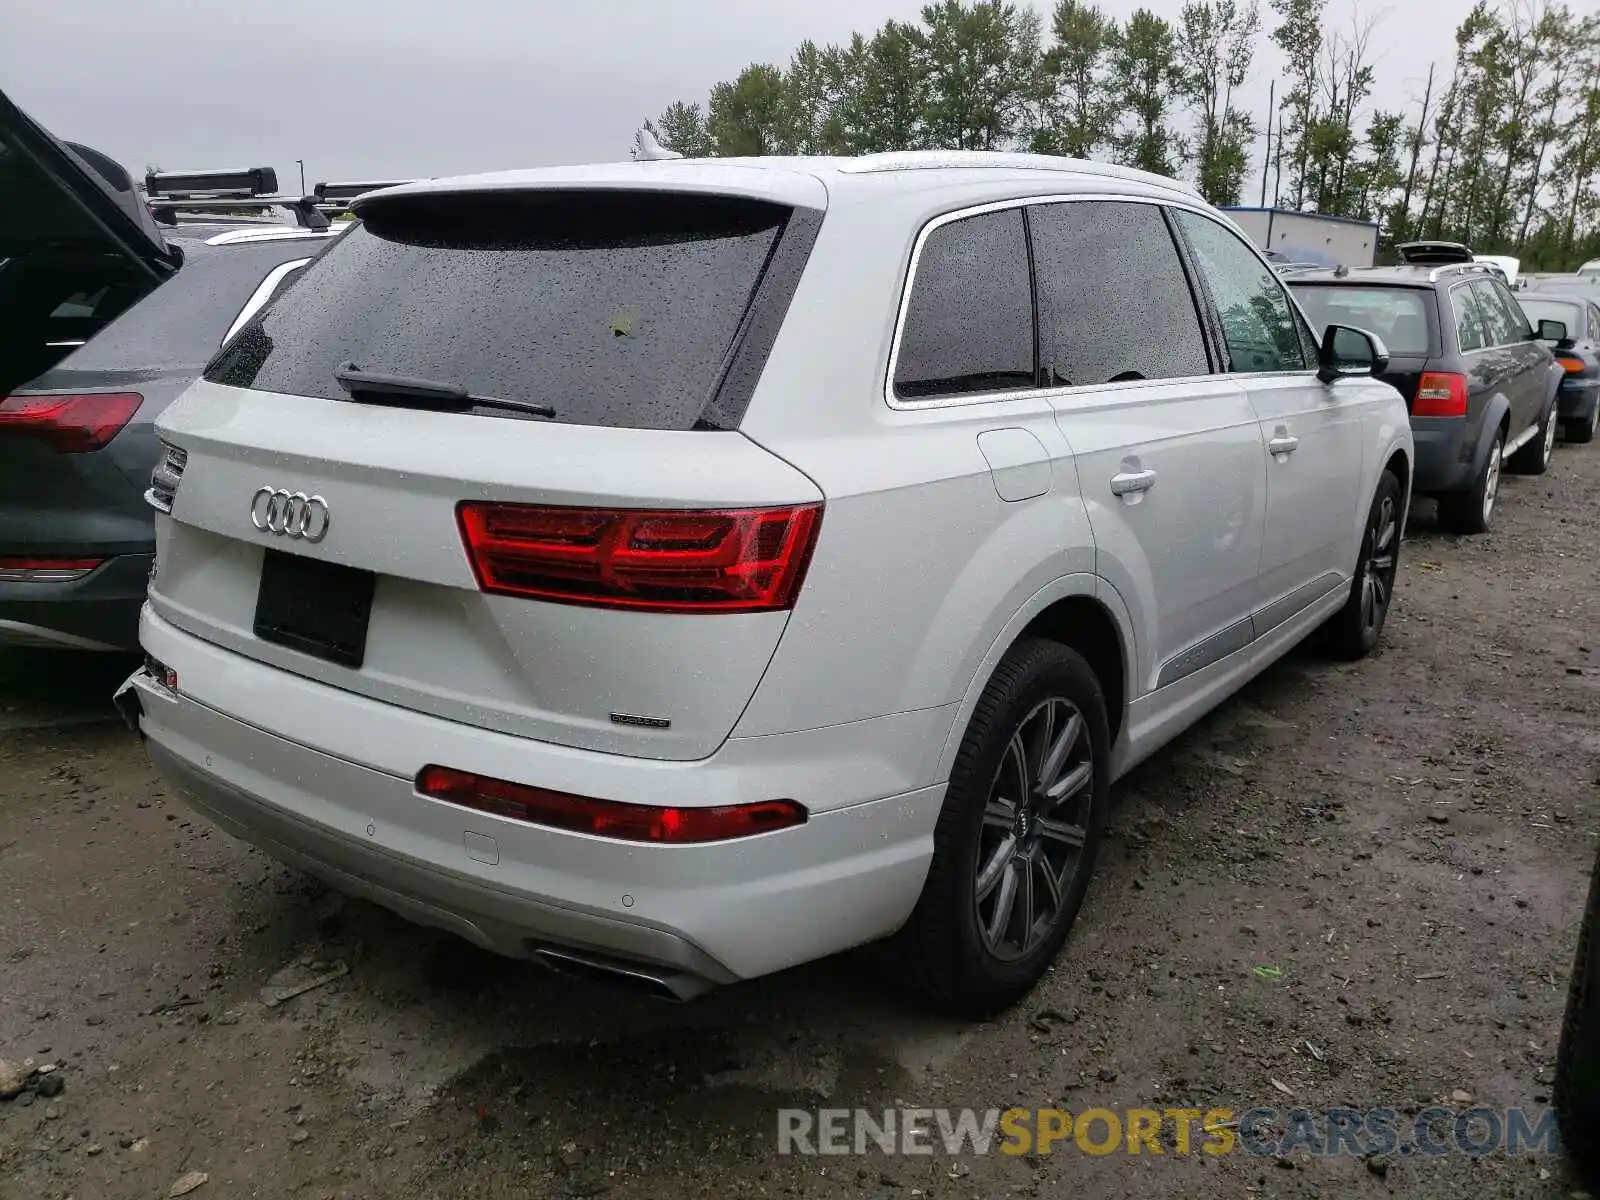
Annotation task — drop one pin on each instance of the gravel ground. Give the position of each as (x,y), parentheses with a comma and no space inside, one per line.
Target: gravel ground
(1402,842)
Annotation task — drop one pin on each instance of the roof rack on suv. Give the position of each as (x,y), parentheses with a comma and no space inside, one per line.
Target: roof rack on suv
(925,160)
(169,193)
(334,198)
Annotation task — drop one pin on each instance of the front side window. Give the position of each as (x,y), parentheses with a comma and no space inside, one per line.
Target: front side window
(1108,273)
(1472,332)
(969,323)
(1259,324)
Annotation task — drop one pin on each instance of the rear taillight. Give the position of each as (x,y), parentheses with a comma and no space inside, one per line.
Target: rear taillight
(654,560)
(69,424)
(45,570)
(607,818)
(1571,365)
(1441,394)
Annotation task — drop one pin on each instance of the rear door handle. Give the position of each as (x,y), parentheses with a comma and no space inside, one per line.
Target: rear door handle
(1125,482)
(1283,444)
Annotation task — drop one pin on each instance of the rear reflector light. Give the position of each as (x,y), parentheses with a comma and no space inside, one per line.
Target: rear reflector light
(69,424)
(655,560)
(607,818)
(1572,366)
(45,570)
(1441,394)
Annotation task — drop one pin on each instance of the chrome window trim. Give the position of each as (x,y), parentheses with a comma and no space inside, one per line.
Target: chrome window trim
(963,399)
(261,295)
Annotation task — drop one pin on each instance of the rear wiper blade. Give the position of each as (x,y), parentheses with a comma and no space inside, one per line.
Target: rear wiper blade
(446,396)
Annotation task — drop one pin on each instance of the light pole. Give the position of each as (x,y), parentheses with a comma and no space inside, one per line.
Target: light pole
(301,163)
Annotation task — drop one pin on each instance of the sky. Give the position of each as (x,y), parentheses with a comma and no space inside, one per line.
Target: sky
(383,89)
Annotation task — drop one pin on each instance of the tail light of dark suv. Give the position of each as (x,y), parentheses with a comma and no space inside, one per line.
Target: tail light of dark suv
(68,424)
(1440,394)
(650,560)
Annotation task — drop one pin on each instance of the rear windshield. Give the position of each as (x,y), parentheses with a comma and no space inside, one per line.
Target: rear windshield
(181,323)
(1399,316)
(613,308)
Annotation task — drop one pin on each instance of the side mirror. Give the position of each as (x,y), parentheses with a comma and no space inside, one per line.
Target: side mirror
(1347,352)
(1552,331)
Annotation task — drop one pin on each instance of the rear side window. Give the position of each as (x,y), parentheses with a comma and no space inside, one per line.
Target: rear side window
(615,308)
(969,323)
(1259,324)
(1506,322)
(1471,330)
(1399,316)
(181,323)
(1108,273)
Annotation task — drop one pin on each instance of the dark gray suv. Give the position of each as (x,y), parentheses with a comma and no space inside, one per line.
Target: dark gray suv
(1479,384)
(106,322)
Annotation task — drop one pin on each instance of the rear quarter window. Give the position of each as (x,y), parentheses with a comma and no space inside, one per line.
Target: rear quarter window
(617,309)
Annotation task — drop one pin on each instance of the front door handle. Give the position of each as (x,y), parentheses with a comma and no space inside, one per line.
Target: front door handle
(1125,482)
(1283,444)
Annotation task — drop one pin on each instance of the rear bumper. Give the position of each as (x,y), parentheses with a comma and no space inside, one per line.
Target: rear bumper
(1577,398)
(710,914)
(97,612)
(1444,454)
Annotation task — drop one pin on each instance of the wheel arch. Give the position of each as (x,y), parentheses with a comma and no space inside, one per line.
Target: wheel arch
(1081,612)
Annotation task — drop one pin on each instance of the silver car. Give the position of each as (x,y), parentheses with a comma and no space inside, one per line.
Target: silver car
(680,570)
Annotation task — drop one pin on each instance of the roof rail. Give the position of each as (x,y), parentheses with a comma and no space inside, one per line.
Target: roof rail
(924,160)
(245,181)
(1461,268)
(165,209)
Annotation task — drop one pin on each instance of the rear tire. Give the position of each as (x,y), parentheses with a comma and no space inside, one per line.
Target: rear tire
(1534,458)
(1354,630)
(1015,844)
(1472,510)
(1577,1085)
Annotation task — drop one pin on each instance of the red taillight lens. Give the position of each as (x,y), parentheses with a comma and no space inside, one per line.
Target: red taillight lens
(69,424)
(655,560)
(607,818)
(1572,366)
(1441,394)
(45,570)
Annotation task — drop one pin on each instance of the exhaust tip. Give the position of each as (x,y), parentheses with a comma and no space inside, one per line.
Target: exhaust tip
(660,982)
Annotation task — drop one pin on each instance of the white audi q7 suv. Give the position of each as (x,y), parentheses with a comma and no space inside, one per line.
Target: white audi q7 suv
(679,570)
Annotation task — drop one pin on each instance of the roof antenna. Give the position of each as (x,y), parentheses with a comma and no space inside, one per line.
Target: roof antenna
(647,149)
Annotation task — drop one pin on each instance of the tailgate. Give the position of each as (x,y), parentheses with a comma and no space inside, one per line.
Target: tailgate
(598,678)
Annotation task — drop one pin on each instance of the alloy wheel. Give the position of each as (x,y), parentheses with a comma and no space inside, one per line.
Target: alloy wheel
(1491,480)
(1550,436)
(1377,585)
(1036,820)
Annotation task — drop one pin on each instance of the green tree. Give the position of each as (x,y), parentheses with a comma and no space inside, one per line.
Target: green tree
(1216,42)
(682,127)
(882,92)
(1298,35)
(1146,79)
(977,62)
(1077,110)
(751,115)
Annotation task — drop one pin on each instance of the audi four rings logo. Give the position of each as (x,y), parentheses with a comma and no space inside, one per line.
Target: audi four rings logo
(289,514)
